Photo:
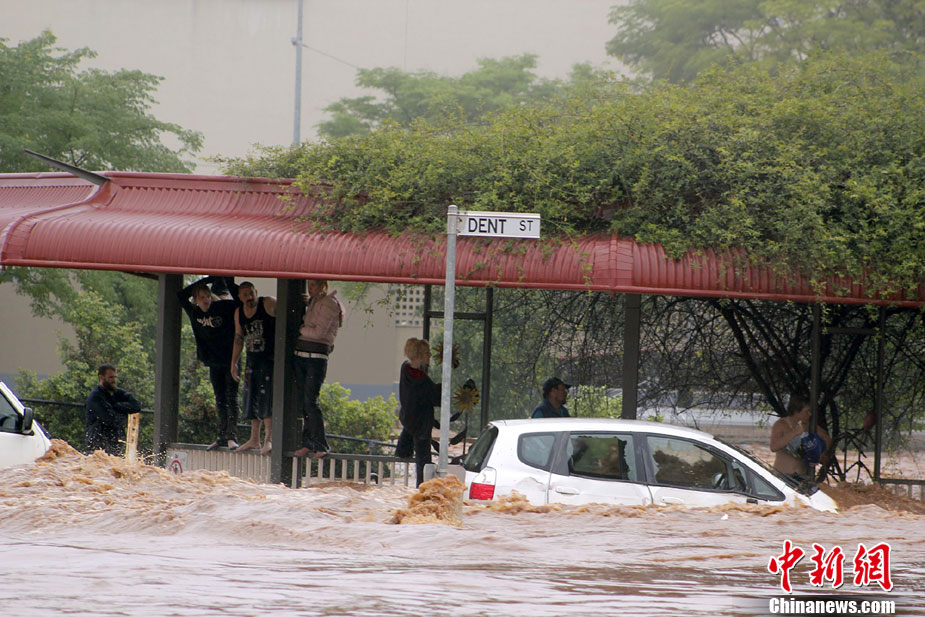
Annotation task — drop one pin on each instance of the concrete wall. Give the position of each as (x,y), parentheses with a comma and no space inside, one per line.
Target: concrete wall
(229,65)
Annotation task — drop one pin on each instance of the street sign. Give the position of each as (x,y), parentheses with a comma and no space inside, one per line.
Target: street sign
(469,223)
(498,224)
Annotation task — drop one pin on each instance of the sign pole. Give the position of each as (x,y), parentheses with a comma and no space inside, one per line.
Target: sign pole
(449,303)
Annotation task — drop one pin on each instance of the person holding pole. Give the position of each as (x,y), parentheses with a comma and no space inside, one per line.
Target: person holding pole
(324,314)
(212,319)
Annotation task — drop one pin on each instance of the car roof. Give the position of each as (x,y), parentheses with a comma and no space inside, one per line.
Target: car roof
(599,424)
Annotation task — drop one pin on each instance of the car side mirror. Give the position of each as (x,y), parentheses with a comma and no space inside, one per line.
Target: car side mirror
(26,420)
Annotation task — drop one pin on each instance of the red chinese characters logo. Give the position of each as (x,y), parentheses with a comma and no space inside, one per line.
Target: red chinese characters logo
(871,566)
(784,563)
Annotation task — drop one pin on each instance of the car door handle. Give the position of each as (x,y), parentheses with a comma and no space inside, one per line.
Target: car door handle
(672,500)
(567,490)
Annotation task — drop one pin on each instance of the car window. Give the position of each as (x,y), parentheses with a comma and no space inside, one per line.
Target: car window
(535,449)
(763,489)
(478,455)
(9,418)
(678,462)
(739,475)
(606,456)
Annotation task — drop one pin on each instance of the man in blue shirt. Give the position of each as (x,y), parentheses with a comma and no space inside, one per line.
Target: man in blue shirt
(555,393)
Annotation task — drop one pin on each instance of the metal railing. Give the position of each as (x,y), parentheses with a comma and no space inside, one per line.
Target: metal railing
(335,467)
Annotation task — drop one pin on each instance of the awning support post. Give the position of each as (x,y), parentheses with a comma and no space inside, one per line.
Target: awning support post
(167,365)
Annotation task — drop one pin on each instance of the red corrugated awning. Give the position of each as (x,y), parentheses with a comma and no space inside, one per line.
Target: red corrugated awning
(139,222)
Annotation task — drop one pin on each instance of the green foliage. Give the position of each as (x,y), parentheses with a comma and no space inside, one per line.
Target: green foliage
(371,419)
(593,402)
(103,334)
(89,118)
(677,40)
(817,168)
(424,95)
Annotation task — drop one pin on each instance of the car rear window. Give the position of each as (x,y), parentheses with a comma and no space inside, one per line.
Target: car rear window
(602,455)
(478,455)
(535,449)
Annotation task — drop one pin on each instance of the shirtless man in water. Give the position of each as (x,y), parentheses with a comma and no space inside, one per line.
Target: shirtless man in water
(790,428)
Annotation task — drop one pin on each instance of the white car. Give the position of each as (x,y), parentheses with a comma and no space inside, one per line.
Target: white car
(22,440)
(628,462)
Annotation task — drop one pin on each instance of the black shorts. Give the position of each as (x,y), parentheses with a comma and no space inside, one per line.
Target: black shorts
(258,388)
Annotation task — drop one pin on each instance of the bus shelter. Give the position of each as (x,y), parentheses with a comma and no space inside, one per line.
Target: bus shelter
(166,225)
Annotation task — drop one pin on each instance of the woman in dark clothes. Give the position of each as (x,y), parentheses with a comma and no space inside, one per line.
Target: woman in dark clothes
(418,395)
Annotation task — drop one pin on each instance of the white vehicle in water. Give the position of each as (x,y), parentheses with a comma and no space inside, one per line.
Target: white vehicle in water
(22,440)
(627,462)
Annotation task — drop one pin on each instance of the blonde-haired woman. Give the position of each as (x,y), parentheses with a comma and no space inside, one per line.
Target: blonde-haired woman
(418,395)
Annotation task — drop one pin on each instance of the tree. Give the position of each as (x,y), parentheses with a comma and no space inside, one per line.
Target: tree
(104,334)
(812,168)
(740,158)
(98,120)
(372,419)
(89,118)
(677,40)
(424,95)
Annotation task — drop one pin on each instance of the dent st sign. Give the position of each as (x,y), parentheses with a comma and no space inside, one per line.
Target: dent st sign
(498,224)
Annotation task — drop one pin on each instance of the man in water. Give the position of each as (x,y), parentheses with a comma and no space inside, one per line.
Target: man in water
(107,407)
(555,393)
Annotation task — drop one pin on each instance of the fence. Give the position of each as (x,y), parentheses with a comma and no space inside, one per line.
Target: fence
(251,465)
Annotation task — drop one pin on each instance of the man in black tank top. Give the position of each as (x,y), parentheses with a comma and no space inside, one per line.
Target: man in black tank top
(254,330)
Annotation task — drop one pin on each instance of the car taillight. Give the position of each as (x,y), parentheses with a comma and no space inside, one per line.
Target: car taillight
(481,491)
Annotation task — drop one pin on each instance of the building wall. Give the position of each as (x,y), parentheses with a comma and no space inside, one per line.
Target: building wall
(26,342)
(229,65)
(229,72)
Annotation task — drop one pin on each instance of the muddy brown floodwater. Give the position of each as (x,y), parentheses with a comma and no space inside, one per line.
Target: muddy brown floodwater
(94,535)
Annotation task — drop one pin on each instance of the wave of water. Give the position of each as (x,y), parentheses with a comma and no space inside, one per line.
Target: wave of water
(94,535)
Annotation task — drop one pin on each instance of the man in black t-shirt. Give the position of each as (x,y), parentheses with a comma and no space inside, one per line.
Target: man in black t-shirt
(212,319)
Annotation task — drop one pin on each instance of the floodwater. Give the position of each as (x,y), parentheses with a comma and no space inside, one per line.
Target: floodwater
(95,535)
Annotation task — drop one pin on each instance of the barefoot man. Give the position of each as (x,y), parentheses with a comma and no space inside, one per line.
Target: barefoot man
(254,329)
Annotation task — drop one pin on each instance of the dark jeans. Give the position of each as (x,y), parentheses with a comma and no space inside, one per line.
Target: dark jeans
(226,401)
(106,438)
(310,374)
(420,441)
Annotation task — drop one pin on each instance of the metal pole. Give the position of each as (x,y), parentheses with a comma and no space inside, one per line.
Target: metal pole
(878,401)
(448,309)
(632,315)
(486,352)
(427,306)
(167,365)
(815,366)
(297,114)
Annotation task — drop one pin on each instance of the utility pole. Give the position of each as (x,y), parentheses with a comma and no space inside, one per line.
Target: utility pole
(297,114)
